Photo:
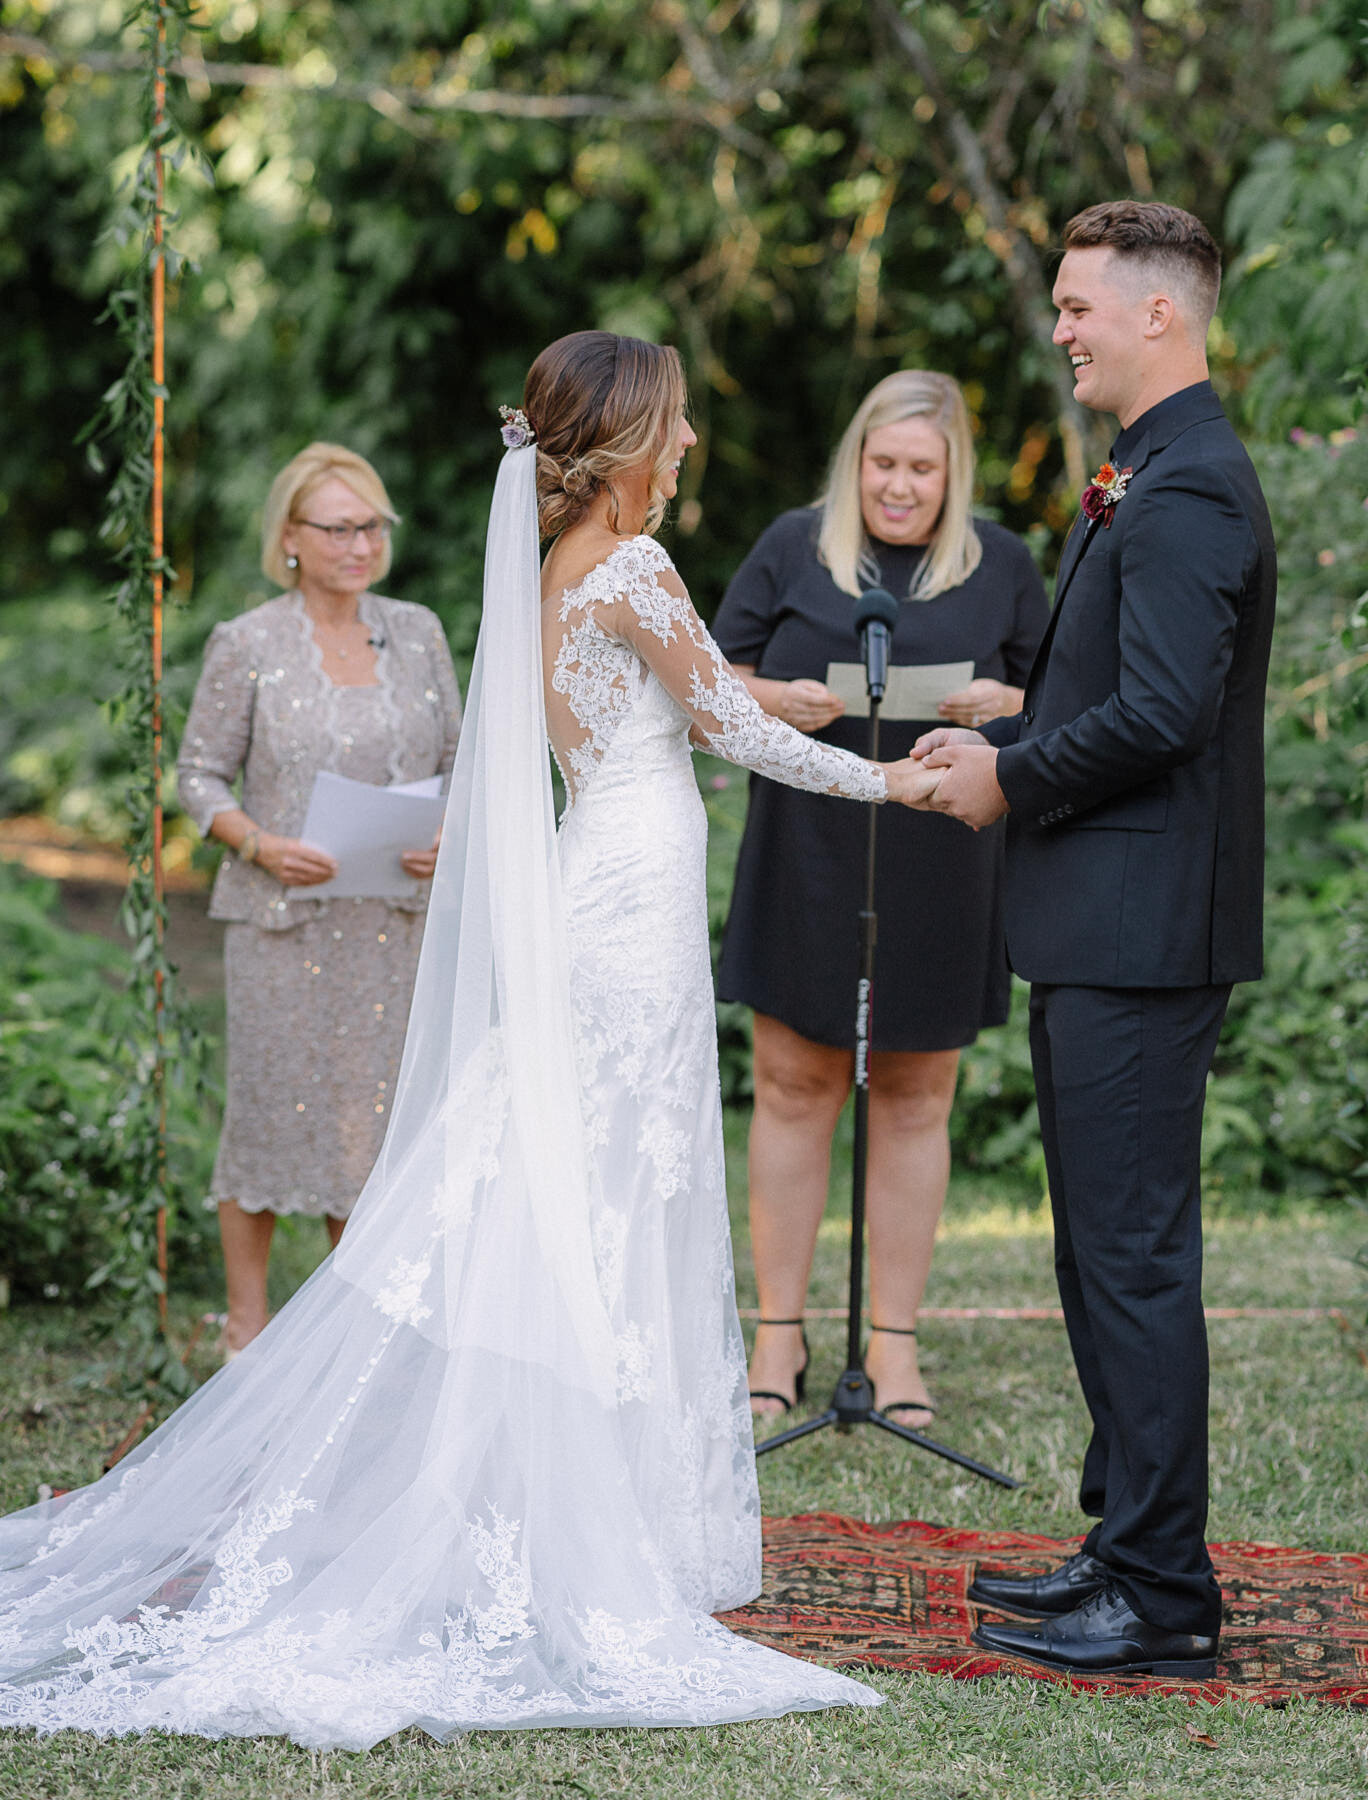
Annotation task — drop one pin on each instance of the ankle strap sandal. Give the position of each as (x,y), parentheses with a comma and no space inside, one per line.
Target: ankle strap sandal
(800,1374)
(899,1406)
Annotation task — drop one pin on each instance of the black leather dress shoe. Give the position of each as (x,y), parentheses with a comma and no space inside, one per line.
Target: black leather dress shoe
(1042,1596)
(1104,1636)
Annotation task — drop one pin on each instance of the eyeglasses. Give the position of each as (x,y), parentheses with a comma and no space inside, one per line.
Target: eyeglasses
(342,537)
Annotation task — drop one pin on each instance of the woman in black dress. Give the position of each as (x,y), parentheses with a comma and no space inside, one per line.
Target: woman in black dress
(896,514)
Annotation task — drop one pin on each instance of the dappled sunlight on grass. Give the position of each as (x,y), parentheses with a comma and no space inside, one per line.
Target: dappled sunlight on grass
(994,1218)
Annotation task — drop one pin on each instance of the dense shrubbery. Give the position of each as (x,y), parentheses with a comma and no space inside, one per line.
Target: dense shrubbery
(1295,1053)
(782,190)
(59,658)
(64,1168)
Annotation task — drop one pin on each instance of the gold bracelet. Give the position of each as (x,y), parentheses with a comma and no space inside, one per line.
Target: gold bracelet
(249,846)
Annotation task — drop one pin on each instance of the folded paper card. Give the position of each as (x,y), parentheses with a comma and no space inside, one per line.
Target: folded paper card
(914,690)
(366,828)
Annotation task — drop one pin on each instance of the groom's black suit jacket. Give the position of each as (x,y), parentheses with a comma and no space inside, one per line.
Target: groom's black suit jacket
(1134,770)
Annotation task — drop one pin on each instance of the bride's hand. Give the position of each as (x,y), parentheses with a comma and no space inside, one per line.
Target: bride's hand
(910,784)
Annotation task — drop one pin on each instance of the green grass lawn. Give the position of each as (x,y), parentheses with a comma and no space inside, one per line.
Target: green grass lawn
(1288,1466)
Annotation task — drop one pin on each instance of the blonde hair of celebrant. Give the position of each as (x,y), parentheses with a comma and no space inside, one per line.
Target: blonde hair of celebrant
(954,551)
(304,475)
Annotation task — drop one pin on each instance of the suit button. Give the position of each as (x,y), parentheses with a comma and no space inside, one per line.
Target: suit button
(1028,717)
(1044,818)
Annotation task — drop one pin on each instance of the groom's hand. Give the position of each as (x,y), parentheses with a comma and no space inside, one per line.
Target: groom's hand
(968,790)
(944,734)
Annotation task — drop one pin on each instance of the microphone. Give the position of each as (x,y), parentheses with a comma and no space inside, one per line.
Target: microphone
(876,613)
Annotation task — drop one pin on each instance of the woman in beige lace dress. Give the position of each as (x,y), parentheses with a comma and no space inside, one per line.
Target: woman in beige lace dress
(328,676)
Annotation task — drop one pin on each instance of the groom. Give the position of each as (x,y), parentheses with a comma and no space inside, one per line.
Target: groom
(1133,783)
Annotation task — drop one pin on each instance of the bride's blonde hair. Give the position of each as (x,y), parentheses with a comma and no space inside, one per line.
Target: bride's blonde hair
(601,404)
(954,551)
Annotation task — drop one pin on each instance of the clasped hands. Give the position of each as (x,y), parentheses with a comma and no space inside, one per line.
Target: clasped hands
(950,770)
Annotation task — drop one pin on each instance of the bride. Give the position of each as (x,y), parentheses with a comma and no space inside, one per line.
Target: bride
(492,1466)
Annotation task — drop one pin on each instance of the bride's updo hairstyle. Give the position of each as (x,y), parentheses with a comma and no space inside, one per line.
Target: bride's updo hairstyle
(600,405)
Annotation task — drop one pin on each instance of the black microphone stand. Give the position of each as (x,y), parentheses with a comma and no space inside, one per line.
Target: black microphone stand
(852,1403)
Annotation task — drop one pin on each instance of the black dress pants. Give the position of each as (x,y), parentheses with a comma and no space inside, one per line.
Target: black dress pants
(1120,1078)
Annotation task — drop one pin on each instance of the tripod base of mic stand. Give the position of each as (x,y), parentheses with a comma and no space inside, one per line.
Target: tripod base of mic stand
(853,1404)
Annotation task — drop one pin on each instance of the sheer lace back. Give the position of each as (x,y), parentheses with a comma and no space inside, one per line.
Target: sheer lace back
(627,634)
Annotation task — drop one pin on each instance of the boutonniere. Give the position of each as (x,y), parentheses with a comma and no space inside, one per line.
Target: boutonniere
(1103,493)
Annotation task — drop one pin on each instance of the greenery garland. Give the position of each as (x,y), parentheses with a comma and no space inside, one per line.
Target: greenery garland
(125,440)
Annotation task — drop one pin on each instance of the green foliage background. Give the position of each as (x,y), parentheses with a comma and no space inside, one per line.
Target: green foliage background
(71,1166)
(393,203)
(779,187)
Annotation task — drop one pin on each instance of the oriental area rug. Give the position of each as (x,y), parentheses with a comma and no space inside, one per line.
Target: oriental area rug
(853,1595)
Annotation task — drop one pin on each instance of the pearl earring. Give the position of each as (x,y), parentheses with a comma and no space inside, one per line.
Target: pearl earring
(291,562)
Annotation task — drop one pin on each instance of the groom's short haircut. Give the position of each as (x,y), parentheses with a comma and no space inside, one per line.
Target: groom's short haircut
(1158,242)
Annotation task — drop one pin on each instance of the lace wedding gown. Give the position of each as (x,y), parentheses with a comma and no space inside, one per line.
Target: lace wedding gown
(492,1466)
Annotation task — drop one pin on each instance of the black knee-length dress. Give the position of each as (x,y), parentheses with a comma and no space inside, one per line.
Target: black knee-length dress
(790,947)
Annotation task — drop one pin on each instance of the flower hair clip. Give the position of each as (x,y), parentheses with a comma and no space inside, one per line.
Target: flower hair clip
(1104,493)
(516,430)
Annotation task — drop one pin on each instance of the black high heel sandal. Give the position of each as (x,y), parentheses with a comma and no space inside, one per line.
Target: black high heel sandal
(800,1374)
(897,1406)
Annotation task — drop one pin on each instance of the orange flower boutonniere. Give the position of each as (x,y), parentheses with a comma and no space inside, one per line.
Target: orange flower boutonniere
(1103,493)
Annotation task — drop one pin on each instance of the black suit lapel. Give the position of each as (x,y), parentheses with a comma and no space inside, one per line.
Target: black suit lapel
(1080,536)
(1076,543)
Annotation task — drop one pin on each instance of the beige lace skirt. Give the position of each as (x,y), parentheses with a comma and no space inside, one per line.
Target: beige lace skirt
(316,1020)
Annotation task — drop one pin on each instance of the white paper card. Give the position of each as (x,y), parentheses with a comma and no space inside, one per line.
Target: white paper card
(913,690)
(365,828)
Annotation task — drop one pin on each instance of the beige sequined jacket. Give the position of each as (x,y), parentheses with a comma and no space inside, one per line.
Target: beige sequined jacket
(264,709)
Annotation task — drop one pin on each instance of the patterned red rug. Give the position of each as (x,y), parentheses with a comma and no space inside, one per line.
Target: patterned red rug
(893,1597)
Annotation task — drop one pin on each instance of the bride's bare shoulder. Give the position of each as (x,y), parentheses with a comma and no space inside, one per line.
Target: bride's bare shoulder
(574,555)
(577,553)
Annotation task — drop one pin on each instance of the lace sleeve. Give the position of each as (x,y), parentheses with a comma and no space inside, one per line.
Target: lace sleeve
(657,619)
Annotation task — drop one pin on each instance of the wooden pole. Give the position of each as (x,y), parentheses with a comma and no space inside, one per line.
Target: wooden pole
(158,550)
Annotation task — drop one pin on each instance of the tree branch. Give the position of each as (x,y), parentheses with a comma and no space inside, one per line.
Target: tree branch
(1020,261)
(404,104)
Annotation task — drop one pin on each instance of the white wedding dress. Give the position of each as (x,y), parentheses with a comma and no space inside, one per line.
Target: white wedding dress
(492,1467)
